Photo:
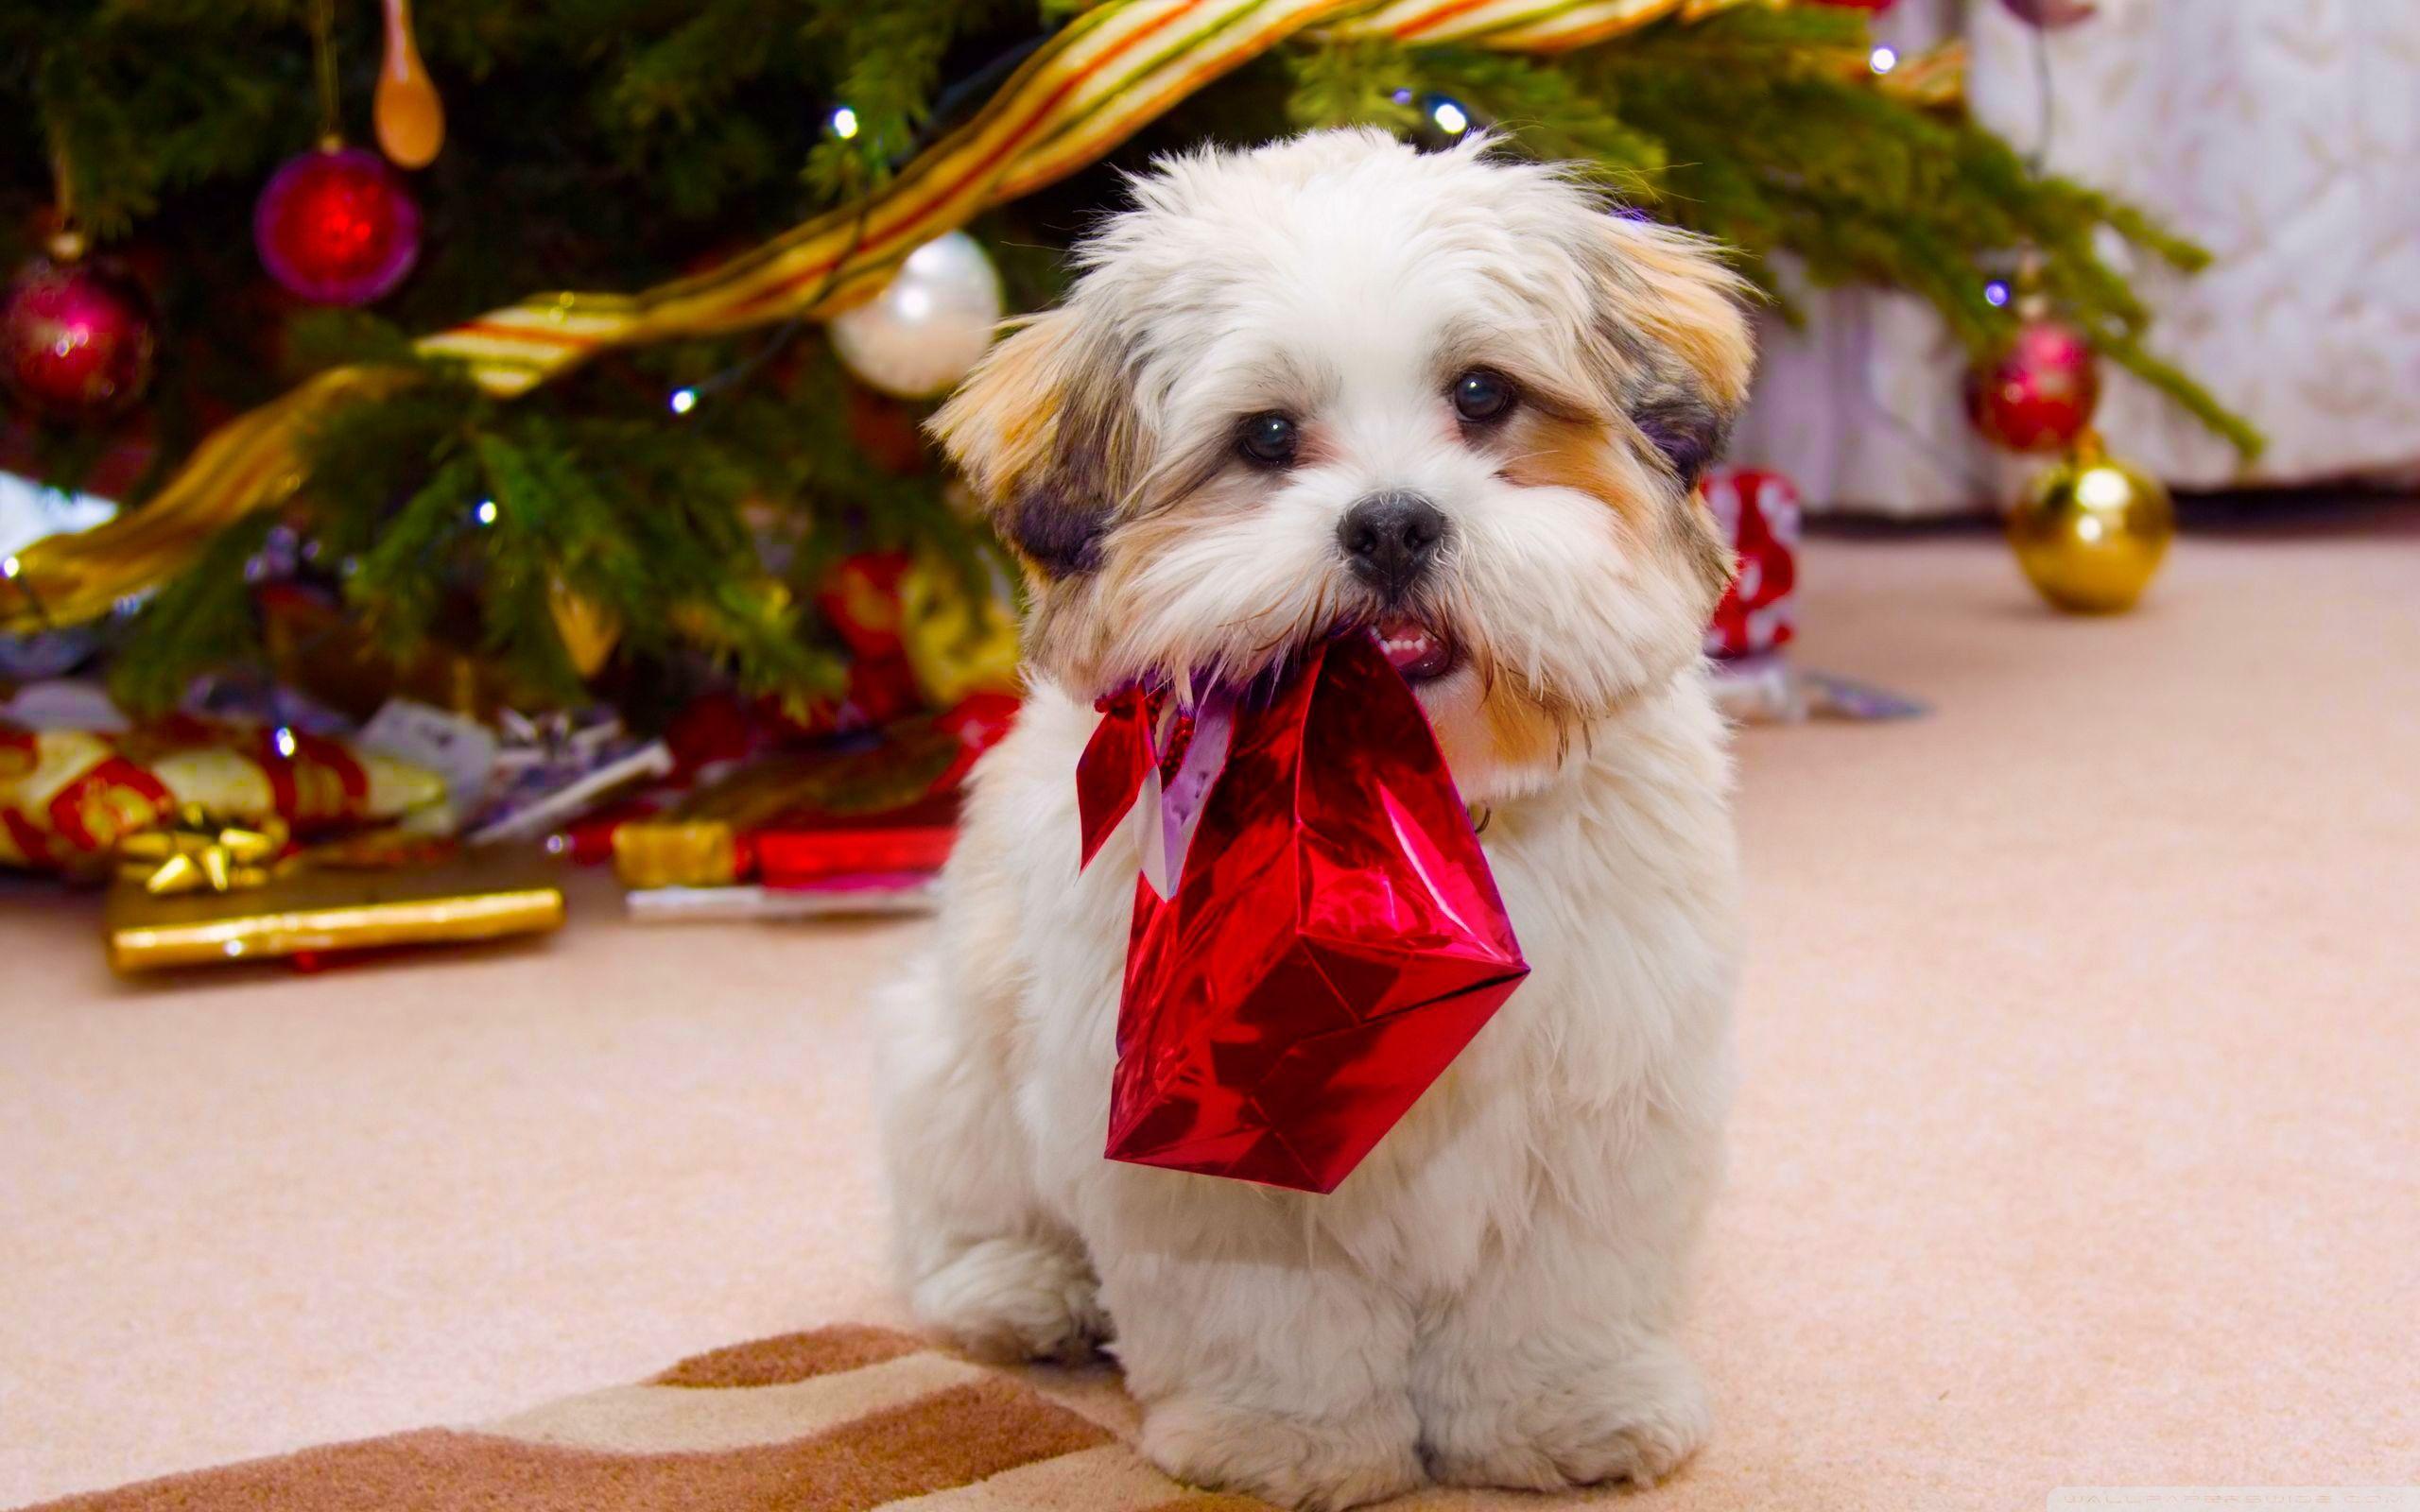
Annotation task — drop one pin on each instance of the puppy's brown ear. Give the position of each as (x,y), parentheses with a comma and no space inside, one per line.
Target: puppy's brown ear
(1671,320)
(1674,287)
(1045,430)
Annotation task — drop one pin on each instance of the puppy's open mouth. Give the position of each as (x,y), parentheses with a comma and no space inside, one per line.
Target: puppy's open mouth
(1420,654)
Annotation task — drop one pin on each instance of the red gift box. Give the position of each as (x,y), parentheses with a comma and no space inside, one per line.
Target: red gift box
(1759,514)
(810,845)
(1333,940)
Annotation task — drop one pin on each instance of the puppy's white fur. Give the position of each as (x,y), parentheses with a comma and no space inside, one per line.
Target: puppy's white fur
(1491,1298)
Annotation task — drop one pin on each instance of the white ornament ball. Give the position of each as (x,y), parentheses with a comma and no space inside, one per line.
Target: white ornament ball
(923,332)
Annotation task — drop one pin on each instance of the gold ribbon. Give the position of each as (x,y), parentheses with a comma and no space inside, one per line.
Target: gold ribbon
(193,852)
(1088,87)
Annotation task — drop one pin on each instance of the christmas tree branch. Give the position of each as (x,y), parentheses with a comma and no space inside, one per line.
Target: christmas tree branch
(1746,127)
(615,144)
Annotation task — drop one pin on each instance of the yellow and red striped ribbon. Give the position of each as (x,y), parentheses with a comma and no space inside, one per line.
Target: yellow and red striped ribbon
(1085,89)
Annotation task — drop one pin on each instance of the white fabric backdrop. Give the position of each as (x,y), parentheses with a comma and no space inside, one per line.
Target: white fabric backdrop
(2283,134)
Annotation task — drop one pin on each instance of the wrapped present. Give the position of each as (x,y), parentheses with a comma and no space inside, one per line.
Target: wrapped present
(69,796)
(885,805)
(194,852)
(1759,514)
(1316,932)
(867,896)
(1747,641)
(551,769)
(655,850)
(871,807)
(320,907)
(710,739)
(313,782)
(459,750)
(816,846)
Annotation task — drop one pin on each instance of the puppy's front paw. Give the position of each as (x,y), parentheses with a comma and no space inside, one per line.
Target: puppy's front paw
(1317,1465)
(1631,1419)
(1012,1300)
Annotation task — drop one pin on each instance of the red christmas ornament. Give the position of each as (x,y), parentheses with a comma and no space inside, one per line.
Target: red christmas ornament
(76,339)
(336,225)
(2039,393)
(1759,514)
(1315,931)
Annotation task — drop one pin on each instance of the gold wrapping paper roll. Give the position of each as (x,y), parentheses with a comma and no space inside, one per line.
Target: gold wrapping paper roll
(453,902)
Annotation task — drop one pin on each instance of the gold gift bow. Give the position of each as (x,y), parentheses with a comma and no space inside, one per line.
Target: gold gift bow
(1088,87)
(193,852)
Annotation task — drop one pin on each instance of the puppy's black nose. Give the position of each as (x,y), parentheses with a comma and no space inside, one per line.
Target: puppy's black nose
(1391,539)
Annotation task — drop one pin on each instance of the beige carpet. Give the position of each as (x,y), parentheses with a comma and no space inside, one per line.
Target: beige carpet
(2081,1142)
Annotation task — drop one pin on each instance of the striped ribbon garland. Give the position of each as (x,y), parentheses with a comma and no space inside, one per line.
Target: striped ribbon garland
(1087,88)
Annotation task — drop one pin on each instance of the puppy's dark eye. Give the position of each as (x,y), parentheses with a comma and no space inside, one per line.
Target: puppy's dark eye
(1268,439)
(1480,396)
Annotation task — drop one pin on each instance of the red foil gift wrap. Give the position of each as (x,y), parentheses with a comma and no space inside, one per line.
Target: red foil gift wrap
(1334,939)
(802,850)
(1108,776)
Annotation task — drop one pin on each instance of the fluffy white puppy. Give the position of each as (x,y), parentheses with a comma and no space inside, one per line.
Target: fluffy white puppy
(1332,382)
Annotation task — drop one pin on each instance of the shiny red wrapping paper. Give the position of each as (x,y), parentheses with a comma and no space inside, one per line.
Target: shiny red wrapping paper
(1334,939)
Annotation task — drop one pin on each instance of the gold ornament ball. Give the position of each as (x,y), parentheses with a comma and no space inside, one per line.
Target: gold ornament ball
(2090,531)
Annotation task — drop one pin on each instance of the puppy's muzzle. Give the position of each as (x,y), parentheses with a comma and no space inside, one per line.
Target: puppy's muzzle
(1392,541)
